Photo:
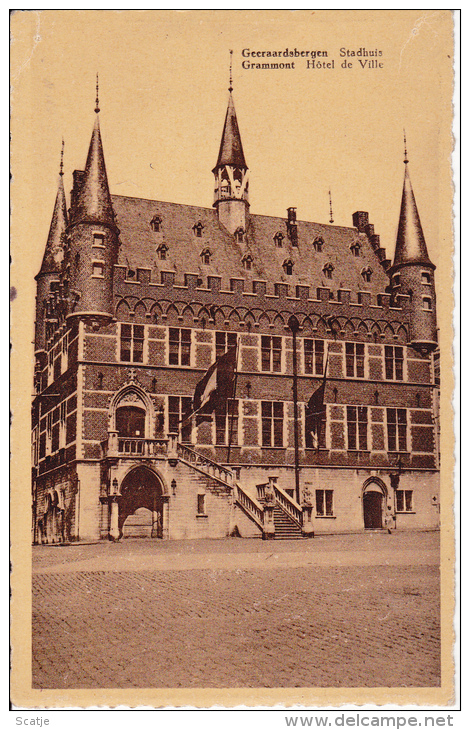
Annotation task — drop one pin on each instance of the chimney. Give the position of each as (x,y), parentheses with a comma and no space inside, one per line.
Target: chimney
(360,220)
(292,225)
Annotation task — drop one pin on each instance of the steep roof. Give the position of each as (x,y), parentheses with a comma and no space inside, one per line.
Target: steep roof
(94,201)
(410,246)
(178,234)
(54,251)
(231,149)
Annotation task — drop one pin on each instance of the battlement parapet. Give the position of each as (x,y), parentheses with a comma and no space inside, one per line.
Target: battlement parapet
(284,294)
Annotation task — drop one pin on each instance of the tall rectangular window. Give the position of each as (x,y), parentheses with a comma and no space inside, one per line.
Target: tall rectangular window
(180,346)
(272,423)
(178,409)
(393,363)
(223,342)
(271,352)
(357,428)
(226,423)
(354,360)
(324,502)
(132,343)
(313,357)
(396,429)
(404,500)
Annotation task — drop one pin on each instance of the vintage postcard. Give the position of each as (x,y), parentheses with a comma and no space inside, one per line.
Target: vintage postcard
(232,440)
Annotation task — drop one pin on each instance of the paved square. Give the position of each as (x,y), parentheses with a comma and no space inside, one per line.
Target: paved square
(357,610)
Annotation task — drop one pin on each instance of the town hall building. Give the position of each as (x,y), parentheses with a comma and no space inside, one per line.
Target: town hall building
(332,422)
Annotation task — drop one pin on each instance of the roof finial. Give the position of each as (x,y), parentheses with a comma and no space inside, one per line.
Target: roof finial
(406,153)
(331,208)
(230,88)
(61,171)
(97,101)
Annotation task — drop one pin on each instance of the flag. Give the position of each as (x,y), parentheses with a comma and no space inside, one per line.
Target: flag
(315,413)
(216,387)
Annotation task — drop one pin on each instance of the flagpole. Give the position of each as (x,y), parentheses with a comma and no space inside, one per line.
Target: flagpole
(233,405)
(294,326)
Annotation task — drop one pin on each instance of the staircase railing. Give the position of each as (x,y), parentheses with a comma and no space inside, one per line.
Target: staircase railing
(288,505)
(250,505)
(207,466)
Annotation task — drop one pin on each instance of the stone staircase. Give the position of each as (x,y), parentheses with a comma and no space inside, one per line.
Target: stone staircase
(287,514)
(285,527)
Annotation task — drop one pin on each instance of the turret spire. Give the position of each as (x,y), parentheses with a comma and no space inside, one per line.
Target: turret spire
(230,87)
(54,252)
(94,199)
(410,245)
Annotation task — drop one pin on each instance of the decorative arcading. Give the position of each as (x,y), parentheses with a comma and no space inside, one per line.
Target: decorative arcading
(194,304)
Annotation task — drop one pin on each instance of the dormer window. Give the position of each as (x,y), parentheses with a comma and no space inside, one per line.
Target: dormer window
(328,270)
(355,248)
(318,243)
(288,266)
(366,273)
(156,223)
(278,239)
(239,233)
(198,229)
(247,262)
(162,251)
(206,255)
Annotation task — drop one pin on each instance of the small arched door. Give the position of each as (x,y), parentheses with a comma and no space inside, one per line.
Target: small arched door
(141,504)
(373,506)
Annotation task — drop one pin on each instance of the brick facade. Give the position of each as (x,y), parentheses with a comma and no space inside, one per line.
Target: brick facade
(144,298)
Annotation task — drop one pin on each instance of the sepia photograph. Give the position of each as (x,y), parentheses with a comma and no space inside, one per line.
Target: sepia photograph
(232,435)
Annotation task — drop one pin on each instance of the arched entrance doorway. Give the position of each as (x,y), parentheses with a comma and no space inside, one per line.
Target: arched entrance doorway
(373,503)
(141,504)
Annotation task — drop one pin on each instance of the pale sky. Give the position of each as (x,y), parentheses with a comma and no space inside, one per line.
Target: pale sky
(163,97)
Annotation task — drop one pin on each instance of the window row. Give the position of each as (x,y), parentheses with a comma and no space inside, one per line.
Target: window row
(324,502)
(272,356)
(224,428)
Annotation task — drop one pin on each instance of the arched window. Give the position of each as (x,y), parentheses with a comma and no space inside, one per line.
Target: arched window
(318,243)
(130,421)
(278,239)
(355,248)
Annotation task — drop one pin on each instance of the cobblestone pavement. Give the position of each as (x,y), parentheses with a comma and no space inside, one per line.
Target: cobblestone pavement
(259,625)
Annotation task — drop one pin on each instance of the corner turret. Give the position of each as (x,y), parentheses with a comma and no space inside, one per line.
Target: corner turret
(52,261)
(231,174)
(412,271)
(93,236)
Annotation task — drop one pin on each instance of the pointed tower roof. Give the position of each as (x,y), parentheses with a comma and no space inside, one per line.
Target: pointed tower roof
(410,246)
(231,148)
(94,201)
(54,252)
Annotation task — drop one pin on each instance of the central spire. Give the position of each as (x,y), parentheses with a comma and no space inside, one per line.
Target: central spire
(231,172)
